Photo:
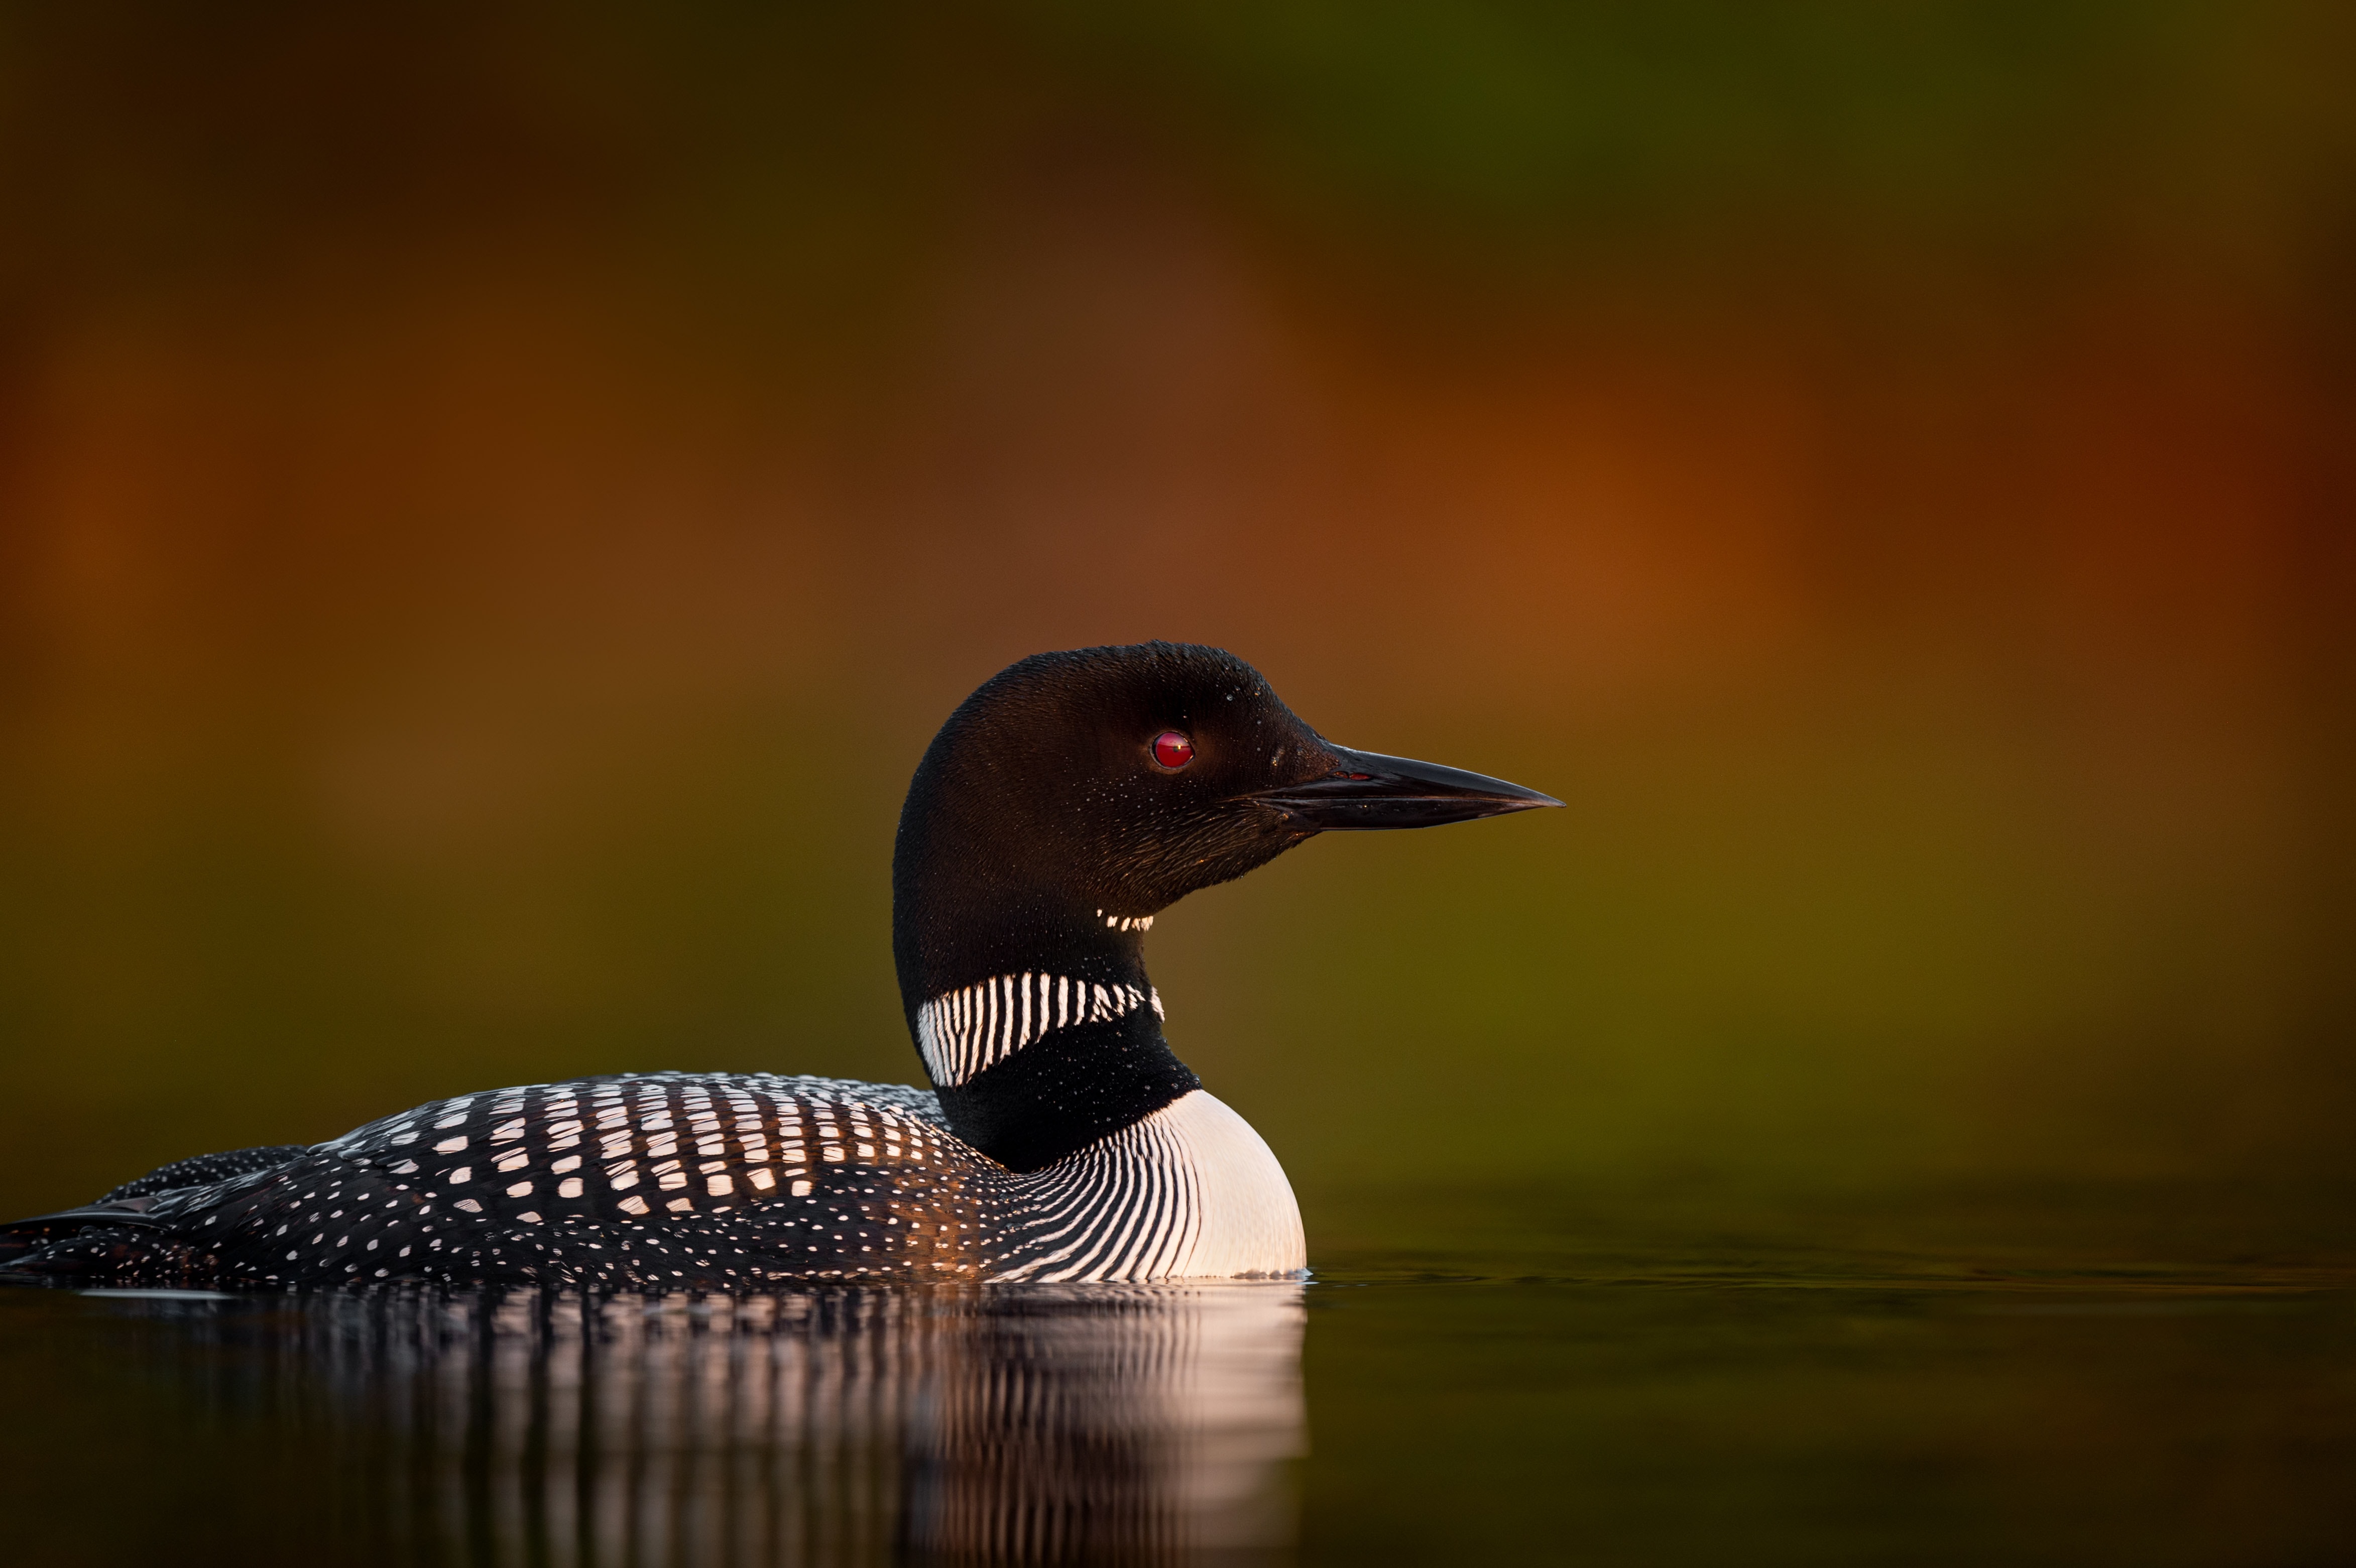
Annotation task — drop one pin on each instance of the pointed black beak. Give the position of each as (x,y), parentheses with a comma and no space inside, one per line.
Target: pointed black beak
(1368,789)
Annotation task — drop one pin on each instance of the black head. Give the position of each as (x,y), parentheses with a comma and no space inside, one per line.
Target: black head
(1076,794)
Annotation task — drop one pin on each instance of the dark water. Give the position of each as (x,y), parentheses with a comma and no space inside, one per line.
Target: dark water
(2155,1398)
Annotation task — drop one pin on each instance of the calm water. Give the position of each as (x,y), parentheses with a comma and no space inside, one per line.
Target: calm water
(2178,1386)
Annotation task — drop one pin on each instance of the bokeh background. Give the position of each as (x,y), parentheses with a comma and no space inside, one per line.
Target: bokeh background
(496,500)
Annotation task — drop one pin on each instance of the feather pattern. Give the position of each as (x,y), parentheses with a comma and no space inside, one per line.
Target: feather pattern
(717,1182)
(966,1031)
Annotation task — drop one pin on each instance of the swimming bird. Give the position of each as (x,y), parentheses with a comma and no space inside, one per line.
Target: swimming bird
(1063,806)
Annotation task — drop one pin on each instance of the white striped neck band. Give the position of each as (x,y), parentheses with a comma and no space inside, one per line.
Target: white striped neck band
(974,1027)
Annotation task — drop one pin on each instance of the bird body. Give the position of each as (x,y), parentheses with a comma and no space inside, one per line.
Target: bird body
(1065,804)
(722,1180)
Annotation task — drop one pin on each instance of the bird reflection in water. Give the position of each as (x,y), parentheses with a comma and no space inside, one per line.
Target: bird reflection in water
(1147,1424)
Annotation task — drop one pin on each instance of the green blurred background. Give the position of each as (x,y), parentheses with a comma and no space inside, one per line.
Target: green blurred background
(497,499)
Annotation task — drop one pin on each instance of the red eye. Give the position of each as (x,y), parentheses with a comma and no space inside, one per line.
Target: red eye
(1173,751)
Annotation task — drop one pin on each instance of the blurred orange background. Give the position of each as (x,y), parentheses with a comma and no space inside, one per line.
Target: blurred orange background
(496,503)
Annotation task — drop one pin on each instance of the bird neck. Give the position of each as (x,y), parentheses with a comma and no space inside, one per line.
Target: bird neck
(1036,1020)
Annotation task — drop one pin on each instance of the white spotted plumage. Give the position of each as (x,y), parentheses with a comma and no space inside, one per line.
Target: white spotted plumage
(730,1181)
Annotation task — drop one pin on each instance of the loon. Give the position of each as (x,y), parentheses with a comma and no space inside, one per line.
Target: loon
(1064,804)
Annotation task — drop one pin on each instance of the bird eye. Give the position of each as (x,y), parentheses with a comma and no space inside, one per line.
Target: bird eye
(1173,751)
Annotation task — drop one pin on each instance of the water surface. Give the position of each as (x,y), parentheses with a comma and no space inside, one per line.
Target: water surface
(2049,1384)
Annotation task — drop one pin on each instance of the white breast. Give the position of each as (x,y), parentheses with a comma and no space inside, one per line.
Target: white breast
(1247,1222)
(1190,1192)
